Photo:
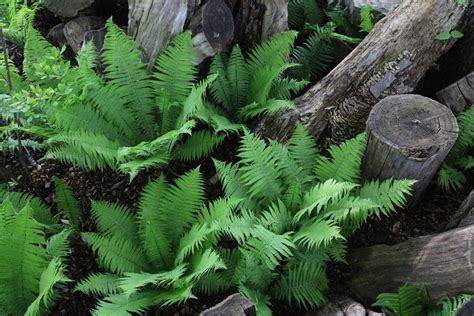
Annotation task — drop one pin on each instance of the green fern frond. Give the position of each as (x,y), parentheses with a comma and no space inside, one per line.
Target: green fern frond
(277,218)
(303,149)
(153,225)
(99,284)
(351,211)
(192,241)
(121,305)
(389,194)
(261,301)
(293,196)
(67,202)
(175,71)
(230,177)
(321,195)
(200,144)
(303,285)
(319,233)
(286,88)
(41,212)
(344,163)
(450,305)
(268,107)
(115,254)
(176,295)
(271,248)
(127,75)
(51,277)
(259,171)
(408,301)
(116,220)
(212,284)
(204,262)
(241,227)
(366,18)
(450,179)
(58,245)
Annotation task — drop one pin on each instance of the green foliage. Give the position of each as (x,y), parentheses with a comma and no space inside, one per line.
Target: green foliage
(249,88)
(450,175)
(366,18)
(295,213)
(31,266)
(409,300)
(126,119)
(159,259)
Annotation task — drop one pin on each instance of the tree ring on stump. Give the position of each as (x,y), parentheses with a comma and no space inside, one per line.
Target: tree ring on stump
(415,125)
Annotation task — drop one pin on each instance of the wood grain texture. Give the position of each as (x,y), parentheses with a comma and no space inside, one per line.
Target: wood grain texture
(341,102)
(443,262)
(458,95)
(408,137)
(75,30)
(153,23)
(234,305)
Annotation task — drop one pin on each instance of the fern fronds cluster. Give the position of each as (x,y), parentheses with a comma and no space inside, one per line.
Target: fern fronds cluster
(246,88)
(163,254)
(412,301)
(451,174)
(32,265)
(296,210)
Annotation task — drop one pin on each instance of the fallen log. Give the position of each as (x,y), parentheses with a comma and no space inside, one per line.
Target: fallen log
(464,215)
(214,23)
(408,137)
(458,95)
(442,262)
(390,60)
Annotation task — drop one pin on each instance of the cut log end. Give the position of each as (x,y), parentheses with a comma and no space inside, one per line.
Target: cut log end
(408,137)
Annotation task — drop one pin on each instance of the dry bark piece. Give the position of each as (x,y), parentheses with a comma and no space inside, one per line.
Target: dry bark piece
(234,305)
(459,94)
(343,99)
(66,8)
(75,30)
(442,262)
(408,137)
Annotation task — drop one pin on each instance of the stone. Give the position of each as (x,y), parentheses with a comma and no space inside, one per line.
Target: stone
(96,36)
(66,8)
(234,305)
(56,35)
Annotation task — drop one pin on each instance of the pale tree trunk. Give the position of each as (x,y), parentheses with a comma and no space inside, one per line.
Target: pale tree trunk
(390,60)
(215,23)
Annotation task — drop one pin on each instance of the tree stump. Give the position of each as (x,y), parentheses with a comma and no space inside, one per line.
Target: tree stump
(408,137)
(442,262)
(153,23)
(390,60)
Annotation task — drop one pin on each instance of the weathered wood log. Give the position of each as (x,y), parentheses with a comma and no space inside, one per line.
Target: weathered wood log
(234,305)
(443,262)
(458,95)
(464,216)
(66,8)
(154,22)
(342,306)
(390,60)
(408,137)
(75,30)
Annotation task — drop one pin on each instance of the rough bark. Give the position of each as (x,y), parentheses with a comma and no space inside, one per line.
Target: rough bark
(390,60)
(443,262)
(234,305)
(458,95)
(66,8)
(408,137)
(75,30)
(153,23)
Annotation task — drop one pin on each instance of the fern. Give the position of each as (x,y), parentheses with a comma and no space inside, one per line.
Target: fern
(450,175)
(366,18)
(67,202)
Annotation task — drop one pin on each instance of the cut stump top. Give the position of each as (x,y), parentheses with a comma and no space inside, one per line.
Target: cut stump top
(417,126)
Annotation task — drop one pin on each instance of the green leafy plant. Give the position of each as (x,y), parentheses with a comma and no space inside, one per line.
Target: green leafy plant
(296,210)
(444,36)
(366,18)
(31,264)
(411,301)
(249,88)
(15,16)
(450,175)
(161,256)
(126,119)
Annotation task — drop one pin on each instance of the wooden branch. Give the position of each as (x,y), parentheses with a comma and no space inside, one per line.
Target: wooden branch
(408,137)
(390,60)
(458,95)
(443,262)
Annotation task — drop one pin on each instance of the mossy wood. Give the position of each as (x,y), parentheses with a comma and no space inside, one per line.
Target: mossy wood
(390,60)
(408,137)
